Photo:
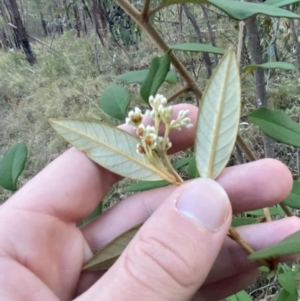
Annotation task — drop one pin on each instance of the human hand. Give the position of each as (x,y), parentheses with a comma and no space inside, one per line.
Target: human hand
(42,252)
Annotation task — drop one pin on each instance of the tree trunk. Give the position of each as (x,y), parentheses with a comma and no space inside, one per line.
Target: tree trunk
(22,36)
(99,14)
(259,76)
(210,30)
(190,16)
(44,24)
(77,19)
(296,42)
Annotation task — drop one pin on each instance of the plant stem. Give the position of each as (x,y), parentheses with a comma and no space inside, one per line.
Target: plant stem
(236,237)
(242,145)
(240,42)
(156,9)
(286,210)
(183,90)
(267,214)
(145,9)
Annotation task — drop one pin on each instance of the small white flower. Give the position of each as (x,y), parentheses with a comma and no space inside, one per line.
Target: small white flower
(181,121)
(156,101)
(135,117)
(165,113)
(140,149)
(150,113)
(150,130)
(140,130)
(150,140)
(160,143)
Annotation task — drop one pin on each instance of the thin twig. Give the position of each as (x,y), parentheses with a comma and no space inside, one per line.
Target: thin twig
(156,9)
(267,214)
(183,90)
(286,210)
(240,42)
(145,9)
(236,237)
(242,145)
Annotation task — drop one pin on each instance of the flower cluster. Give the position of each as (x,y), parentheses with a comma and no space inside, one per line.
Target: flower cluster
(160,112)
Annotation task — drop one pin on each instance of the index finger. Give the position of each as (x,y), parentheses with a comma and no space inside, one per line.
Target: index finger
(72,185)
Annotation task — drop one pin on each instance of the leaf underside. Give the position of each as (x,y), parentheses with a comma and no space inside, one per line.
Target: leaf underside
(108,146)
(107,256)
(218,118)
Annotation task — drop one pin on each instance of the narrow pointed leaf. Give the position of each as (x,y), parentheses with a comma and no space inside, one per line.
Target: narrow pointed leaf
(192,169)
(114,101)
(108,146)
(146,185)
(12,165)
(270,65)
(98,210)
(272,210)
(242,221)
(197,47)
(280,3)
(218,118)
(293,199)
(182,162)
(239,10)
(139,77)
(244,10)
(289,245)
(158,71)
(277,125)
(107,256)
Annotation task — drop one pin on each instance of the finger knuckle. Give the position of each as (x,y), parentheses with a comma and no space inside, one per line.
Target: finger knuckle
(157,259)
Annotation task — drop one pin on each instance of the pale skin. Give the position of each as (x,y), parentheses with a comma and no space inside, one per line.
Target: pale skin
(42,252)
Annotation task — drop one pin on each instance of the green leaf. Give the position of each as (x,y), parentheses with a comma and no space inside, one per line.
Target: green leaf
(243,296)
(293,200)
(139,77)
(231,298)
(270,65)
(240,296)
(286,296)
(192,169)
(114,101)
(277,125)
(289,245)
(107,256)
(94,214)
(260,212)
(146,185)
(196,47)
(12,165)
(280,3)
(182,162)
(218,118)
(287,282)
(242,221)
(110,147)
(239,10)
(158,71)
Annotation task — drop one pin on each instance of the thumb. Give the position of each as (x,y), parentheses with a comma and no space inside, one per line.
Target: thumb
(172,254)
